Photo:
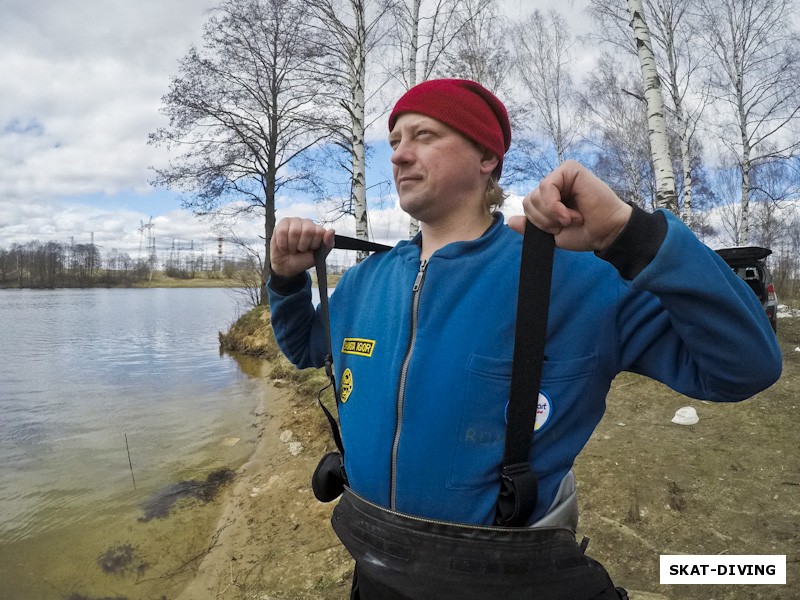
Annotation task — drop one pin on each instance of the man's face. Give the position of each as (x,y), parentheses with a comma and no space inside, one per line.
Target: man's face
(436,169)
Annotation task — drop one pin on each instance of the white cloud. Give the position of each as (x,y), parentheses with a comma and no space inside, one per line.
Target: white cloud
(90,76)
(80,89)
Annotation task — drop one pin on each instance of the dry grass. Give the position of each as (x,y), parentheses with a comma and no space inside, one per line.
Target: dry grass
(160,280)
(252,335)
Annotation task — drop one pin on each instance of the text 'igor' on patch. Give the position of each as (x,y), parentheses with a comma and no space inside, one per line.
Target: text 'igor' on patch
(358,346)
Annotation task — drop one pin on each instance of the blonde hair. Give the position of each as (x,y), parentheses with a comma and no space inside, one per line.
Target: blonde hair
(495,196)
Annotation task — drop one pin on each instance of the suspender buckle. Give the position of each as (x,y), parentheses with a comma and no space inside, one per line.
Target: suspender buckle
(329,367)
(519,492)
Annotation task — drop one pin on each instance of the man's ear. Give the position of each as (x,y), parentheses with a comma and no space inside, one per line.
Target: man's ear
(489,161)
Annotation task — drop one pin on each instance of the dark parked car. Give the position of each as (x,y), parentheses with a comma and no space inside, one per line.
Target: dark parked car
(748,262)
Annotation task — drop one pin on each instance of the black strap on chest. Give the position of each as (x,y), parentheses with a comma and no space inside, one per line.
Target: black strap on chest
(342,243)
(519,487)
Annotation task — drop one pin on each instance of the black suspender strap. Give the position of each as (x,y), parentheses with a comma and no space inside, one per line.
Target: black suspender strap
(342,243)
(322,283)
(347,243)
(519,486)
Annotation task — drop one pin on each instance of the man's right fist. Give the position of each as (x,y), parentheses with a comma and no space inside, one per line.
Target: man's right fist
(293,243)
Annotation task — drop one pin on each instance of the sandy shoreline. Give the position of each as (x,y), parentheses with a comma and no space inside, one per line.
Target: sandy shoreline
(273,539)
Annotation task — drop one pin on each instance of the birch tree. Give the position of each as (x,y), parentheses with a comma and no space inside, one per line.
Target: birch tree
(241,111)
(674,31)
(727,182)
(773,182)
(754,79)
(543,61)
(680,61)
(348,30)
(619,120)
(423,32)
(479,51)
(656,121)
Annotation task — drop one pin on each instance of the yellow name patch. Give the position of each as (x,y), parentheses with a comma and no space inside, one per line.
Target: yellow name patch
(358,346)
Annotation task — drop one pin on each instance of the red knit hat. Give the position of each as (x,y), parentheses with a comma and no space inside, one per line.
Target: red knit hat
(464,105)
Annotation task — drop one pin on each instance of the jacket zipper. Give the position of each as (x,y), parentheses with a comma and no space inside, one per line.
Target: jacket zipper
(401,392)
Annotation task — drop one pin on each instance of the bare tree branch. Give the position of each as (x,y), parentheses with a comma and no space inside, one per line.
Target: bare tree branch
(242,110)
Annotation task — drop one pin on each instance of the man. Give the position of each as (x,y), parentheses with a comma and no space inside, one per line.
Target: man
(423,412)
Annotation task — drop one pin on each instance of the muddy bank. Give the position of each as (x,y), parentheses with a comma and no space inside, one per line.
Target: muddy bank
(161,503)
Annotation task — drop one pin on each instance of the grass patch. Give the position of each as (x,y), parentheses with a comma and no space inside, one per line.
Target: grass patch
(306,383)
(162,280)
(251,335)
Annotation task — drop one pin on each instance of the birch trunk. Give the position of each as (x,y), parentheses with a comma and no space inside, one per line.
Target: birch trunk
(686,162)
(659,144)
(738,83)
(413,43)
(684,129)
(270,181)
(413,225)
(358,82)
(669,25)
(744,221)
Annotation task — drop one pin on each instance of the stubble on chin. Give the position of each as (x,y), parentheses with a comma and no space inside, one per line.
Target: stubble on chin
(412,205)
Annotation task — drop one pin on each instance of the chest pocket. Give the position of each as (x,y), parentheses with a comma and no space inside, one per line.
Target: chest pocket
(478,451)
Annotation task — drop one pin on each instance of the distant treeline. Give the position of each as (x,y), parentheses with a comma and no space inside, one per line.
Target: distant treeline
(55,265)
(51,265)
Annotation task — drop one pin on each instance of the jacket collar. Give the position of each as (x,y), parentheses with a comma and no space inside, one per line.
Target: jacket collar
(410,249)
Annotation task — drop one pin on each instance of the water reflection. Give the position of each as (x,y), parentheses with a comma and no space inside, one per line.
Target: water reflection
(82,369)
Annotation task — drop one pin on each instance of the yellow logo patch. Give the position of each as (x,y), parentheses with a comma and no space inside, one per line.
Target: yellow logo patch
(347,385)
(358,346)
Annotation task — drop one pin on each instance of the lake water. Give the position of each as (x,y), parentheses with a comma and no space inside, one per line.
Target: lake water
(80,371)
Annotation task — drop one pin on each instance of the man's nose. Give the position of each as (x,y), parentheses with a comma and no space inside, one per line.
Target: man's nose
(401,153)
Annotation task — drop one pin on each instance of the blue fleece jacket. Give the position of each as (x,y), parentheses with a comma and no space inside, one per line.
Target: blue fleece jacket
(424,375)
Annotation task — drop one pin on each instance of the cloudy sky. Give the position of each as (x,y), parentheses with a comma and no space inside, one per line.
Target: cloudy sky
(80,88)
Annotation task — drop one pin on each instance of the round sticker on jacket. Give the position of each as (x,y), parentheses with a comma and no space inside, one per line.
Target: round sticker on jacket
(543,406)
(542,411)
(347,385)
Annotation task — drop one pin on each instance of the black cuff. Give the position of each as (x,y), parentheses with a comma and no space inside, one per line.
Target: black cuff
(637,244)
(286,286)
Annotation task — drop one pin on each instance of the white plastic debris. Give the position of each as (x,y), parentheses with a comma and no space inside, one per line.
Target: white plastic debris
(797,349)
(686,416)
(295,447)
